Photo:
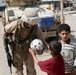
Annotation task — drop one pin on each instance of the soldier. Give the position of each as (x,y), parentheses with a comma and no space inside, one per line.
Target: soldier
(24,30)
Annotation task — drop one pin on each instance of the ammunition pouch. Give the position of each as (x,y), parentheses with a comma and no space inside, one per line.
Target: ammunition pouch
(21,41)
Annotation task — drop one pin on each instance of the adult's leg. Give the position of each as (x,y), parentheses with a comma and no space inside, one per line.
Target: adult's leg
(18,64)
(19,70)
(29,62)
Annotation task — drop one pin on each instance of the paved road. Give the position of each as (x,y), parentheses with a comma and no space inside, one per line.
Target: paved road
(4,69)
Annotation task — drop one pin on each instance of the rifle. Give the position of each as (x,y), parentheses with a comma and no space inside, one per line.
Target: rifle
(9,57)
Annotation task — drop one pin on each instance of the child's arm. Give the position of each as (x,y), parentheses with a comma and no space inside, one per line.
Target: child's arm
(33,55)
(42,64)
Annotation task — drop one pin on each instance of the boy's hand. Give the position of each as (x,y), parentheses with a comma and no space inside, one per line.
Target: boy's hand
(33,55)
(31,51)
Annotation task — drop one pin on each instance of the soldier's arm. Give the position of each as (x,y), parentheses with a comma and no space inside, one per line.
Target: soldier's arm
(9,28)
(40,36)
(5,30)
(39,33)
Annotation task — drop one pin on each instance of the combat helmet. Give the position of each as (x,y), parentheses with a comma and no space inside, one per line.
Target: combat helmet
(30,16)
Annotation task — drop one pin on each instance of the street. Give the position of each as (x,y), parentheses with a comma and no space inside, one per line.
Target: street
(4,70)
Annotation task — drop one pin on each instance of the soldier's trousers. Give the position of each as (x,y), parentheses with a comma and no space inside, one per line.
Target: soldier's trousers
(29,62)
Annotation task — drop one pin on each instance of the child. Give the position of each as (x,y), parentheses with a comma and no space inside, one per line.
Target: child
(68,48)
(54,65)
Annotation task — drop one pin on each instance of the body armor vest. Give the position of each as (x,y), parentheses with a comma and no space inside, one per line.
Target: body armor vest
(21,41)
(24,34)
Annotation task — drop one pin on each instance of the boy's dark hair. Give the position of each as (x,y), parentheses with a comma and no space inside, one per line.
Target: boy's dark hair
(55,47)
(65,27)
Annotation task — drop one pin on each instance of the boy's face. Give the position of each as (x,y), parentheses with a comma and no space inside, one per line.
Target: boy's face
(64,35)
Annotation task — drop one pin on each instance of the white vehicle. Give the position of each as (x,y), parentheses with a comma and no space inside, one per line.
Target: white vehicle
(14,10)
(12,13)
(69,9)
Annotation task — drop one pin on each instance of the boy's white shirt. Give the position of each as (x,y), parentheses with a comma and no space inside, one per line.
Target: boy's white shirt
(69,52)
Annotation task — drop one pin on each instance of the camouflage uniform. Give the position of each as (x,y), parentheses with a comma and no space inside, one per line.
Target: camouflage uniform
(20,49)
